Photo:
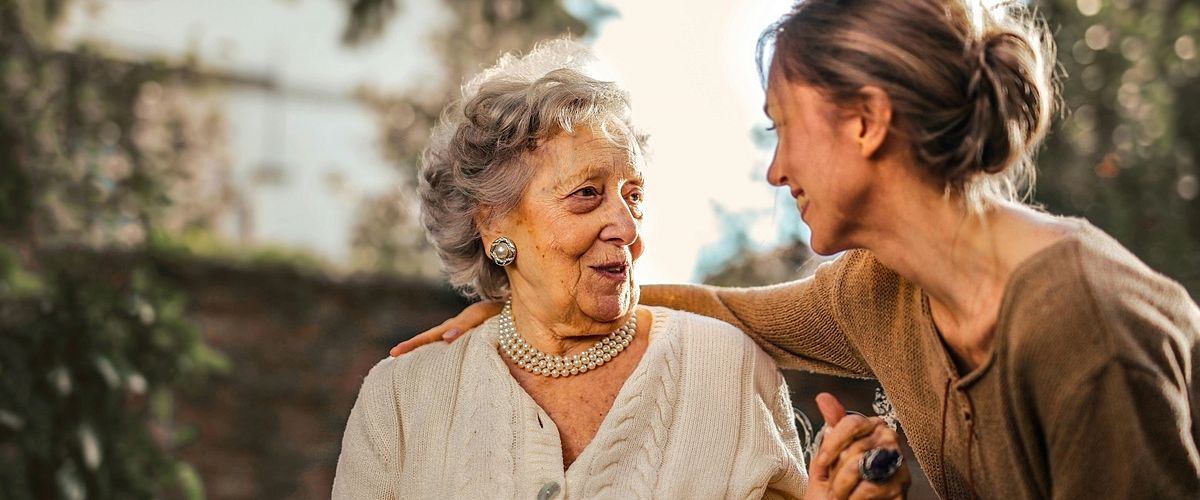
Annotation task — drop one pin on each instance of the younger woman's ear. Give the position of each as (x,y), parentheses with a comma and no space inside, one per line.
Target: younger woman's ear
(874,120)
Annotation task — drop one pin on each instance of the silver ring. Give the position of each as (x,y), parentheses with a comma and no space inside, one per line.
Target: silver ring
(878,465)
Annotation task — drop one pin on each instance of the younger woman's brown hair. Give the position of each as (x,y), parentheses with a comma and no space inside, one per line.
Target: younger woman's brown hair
(971,86)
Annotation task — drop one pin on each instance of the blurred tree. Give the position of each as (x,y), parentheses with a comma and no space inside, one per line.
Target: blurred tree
(1125,156)
(735,260)
(90,362)
(388,235)
(788,262)
(95,154)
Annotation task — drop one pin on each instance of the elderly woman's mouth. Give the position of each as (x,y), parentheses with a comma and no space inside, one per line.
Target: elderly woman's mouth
(616,271)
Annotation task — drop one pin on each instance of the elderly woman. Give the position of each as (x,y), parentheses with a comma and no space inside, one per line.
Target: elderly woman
(531,191)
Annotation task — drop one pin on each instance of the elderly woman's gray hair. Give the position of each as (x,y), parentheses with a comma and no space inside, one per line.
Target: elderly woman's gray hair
(479,155)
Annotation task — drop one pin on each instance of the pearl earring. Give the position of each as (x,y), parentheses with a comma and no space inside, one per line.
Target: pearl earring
(504,252)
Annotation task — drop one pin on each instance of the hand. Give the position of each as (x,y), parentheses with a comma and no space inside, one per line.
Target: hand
(834,471)
(451,329)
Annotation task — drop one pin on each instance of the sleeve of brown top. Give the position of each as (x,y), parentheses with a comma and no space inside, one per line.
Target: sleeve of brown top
(1115,387)
(794,322)
(1119,437)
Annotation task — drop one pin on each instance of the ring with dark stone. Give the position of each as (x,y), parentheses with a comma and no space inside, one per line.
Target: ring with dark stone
(879,464)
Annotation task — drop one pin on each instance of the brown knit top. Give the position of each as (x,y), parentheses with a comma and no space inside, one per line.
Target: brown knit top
(1091,390)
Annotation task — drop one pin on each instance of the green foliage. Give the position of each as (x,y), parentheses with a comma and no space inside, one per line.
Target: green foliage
(95,150)
(95,153)
(205,244)
(1125,156)
(88,367)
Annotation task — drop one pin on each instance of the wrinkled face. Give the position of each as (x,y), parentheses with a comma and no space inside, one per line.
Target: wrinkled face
(818,159)
(577,229)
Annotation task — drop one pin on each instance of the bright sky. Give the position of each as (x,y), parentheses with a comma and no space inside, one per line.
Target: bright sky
(689,66)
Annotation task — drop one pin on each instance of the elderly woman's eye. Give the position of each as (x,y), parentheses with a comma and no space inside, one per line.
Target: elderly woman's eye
(635,196)
(588,192)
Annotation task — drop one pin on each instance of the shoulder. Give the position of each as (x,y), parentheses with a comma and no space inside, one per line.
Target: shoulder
(709,349)
(871,297)
(1121,283)
(1138,308)
(673,322)
(1088,297)
(430,359)
(419,373)
(708,342)
(865,284)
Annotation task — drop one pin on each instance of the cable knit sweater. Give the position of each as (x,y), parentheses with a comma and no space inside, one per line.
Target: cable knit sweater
(705,414)
(1091,390)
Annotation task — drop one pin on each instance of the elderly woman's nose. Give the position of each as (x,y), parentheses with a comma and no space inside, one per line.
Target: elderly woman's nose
(621,225)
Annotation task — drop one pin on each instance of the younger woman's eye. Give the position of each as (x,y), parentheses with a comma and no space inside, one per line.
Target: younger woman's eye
(771,128)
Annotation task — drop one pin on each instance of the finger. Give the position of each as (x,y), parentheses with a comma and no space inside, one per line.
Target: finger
(831,409)
(846,473)
(886,437)
(451,329)
(896,487)
(471,317)
(818,473)
(882,437)
(853,454)
(427,337)
(475,314)
(867,490)
(848,430)
(828,458)
(845,480)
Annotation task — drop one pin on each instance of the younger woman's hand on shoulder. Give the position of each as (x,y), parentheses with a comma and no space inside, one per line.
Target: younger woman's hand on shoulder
(453,328)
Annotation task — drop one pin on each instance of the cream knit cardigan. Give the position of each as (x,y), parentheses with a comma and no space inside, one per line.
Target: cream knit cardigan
(705,414)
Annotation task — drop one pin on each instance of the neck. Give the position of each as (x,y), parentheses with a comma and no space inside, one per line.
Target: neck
(557,333)
(951,254)
(962,260)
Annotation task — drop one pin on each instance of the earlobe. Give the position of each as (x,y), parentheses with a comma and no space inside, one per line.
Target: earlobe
(492,229)
(875,120)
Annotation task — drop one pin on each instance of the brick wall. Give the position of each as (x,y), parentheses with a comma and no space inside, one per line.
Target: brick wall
(299,345)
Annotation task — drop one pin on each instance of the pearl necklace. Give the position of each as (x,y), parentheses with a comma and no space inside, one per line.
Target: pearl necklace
(531,359)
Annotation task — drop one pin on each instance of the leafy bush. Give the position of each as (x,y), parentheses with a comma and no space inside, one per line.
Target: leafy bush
(89,360)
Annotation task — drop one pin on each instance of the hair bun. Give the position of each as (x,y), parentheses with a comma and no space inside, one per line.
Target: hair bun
(1008,96)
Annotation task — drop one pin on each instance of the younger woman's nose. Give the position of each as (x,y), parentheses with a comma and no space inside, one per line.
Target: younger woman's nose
(775,176)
